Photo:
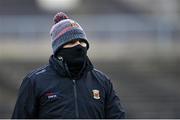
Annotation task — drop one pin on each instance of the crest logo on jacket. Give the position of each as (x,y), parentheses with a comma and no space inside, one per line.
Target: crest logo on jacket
(51,95)
(96,94)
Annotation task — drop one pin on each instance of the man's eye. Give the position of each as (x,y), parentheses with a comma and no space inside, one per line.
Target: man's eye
(83,44)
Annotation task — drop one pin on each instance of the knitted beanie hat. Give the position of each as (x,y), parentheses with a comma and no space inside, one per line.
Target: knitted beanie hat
(65,30)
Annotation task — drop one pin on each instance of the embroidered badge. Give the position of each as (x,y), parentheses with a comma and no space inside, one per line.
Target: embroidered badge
(96,94)
(51,95)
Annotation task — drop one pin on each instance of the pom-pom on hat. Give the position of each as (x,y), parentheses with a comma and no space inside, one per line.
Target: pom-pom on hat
(65,30)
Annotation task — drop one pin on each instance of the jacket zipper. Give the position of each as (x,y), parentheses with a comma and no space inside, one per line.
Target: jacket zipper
(75,96)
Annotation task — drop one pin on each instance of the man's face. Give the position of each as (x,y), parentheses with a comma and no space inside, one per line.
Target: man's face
(74,43)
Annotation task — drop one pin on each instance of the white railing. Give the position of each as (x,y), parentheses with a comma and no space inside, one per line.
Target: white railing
(112,27)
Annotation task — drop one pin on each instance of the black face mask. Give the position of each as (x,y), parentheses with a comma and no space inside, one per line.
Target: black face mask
(75,57)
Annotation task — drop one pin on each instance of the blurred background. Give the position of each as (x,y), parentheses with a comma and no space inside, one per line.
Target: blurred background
(135,42)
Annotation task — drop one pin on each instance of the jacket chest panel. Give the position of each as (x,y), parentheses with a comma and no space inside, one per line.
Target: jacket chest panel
(91,98)
(66,96)
(57,98)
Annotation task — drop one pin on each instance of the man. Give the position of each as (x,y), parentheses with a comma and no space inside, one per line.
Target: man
(69,86)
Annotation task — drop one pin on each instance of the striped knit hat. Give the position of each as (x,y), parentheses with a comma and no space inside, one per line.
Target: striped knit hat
(65,30)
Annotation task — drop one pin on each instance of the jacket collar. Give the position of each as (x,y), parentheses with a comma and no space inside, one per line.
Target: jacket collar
(62,69)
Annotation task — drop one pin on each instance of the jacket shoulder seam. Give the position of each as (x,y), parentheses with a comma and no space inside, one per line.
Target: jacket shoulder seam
(100,73)
(37,71)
